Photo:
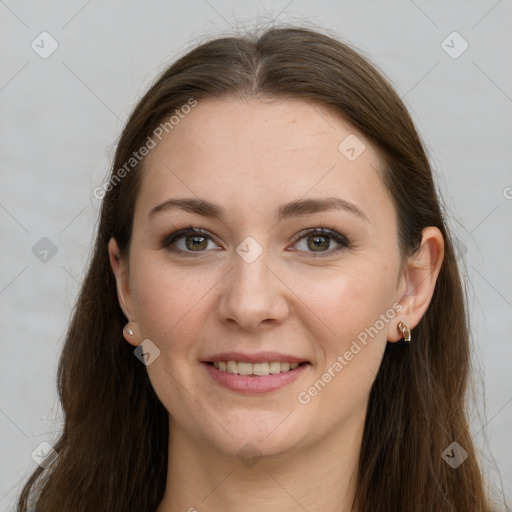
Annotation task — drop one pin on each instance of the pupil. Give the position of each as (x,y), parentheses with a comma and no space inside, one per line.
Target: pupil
(318,241)
(195,242)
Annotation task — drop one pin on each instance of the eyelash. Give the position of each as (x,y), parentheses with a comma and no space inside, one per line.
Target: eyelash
(340,239)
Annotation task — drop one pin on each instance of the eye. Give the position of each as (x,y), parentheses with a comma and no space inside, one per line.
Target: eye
(188,241)
(191,242)
(317,241)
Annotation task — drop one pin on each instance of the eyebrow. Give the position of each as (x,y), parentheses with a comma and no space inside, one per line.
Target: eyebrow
(285,211)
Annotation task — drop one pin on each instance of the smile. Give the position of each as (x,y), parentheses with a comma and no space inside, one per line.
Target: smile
(254,378)
(256,369)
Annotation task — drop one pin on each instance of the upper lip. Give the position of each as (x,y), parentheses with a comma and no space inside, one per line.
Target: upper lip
(258,357)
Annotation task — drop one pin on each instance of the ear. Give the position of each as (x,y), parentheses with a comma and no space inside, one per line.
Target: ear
(418,281)
(120,269)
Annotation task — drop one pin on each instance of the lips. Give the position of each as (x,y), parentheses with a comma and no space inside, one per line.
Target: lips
(254,373)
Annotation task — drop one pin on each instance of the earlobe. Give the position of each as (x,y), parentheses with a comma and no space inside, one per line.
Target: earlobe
(131,330)
(131,333)
(418,282)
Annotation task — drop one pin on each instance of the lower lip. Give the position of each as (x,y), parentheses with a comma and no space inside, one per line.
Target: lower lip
(254,384)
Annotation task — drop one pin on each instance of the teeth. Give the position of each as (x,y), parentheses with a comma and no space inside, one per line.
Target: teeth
(260,369)
(232,367)
(243,368)
(274,367)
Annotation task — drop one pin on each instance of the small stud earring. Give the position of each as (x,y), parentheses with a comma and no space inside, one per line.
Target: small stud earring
(404,330)
(129,330)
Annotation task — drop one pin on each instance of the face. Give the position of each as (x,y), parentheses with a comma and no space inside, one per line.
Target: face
(270,273)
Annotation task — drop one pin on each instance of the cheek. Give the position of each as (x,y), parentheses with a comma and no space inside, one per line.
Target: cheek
(351,338)
(348,300)
(353,311)
(170,303)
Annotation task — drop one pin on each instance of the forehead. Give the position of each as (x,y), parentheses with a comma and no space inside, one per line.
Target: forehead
(249,153)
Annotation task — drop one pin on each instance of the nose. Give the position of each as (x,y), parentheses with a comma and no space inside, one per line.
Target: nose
(253,295)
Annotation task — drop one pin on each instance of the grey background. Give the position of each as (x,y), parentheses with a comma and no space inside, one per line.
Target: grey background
(60,118)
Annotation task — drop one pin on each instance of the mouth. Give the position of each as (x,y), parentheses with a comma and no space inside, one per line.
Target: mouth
(255,374)
(260,369)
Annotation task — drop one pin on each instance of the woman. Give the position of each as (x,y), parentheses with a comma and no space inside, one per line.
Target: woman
(273,316)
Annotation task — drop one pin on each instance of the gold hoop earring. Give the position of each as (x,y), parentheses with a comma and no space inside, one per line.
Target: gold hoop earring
(404,331)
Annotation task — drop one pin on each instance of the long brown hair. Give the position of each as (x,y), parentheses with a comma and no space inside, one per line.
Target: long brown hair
(113,447)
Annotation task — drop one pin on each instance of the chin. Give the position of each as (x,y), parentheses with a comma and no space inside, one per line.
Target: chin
(253,436)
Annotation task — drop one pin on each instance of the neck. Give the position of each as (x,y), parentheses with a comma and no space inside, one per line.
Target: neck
(315,478)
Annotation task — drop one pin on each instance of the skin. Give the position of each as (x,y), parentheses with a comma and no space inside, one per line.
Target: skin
(250,157)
